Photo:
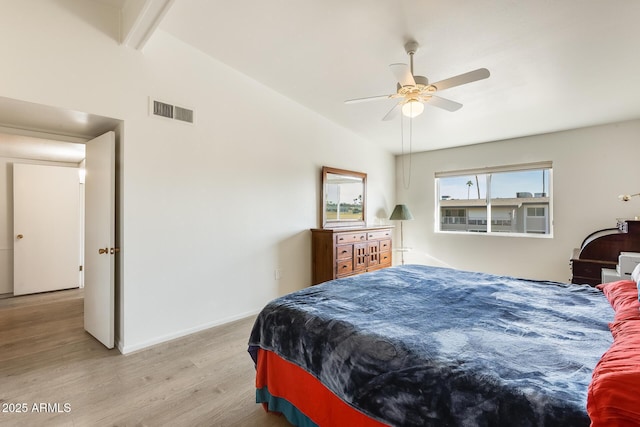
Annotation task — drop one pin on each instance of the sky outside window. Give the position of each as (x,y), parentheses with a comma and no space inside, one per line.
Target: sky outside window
(503,185)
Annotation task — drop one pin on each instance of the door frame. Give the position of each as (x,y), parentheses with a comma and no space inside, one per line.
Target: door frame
(57,124)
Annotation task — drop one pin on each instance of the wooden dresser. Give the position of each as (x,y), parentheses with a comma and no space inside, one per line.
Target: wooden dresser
(344,252)
(601,249)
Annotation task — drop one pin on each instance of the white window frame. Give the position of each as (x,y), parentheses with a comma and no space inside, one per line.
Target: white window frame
(488,171)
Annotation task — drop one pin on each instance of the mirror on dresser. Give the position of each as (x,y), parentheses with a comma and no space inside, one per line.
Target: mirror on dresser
(343,198)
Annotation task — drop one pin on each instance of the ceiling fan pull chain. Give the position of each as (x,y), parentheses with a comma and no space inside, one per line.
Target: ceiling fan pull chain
(408,179)
(406,182)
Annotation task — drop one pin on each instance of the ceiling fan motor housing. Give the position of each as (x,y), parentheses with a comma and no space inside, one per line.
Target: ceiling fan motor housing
(421,83)
(421,88)
(411,47)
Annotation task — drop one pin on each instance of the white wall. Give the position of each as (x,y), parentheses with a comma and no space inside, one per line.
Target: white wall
(591,167)
(207,211)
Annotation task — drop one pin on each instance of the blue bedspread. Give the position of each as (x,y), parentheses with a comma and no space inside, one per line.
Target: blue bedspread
(424,346)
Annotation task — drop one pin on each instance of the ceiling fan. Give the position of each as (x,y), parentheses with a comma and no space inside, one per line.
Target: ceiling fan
(415,91)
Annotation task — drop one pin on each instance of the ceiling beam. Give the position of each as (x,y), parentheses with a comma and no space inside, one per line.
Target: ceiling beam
(139,19)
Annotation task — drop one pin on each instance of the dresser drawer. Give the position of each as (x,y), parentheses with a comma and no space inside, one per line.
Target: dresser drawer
(590,268)
(383,234)
(344,252)
(350,238)
(344,267)
(385,258)
(385,245)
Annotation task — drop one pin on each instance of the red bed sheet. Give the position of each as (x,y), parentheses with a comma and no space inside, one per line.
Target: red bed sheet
(287,381)
(614,392)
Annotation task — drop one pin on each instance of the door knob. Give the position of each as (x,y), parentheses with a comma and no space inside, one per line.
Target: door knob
(103,251)
(19,236)
(114,251)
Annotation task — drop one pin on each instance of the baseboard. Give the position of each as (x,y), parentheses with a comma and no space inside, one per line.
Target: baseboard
(119,346)
(126,349)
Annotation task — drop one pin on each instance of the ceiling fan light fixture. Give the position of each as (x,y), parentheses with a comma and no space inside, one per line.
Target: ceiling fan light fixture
(412,108)
(412,91)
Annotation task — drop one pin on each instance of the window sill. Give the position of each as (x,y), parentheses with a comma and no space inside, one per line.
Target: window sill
(472,233)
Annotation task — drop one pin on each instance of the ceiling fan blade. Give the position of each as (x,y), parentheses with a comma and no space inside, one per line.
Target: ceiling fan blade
(445,104)
(369,98)
(471,76)
(403,75)
(393,113)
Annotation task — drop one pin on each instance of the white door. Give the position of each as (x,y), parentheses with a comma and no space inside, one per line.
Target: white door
(99,252)
(46,224)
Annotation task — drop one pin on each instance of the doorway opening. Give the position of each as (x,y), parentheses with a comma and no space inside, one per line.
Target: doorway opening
(50,136)
(43,200)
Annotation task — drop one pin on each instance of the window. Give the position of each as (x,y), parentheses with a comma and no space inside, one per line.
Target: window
(511,199)
(454,216)
(536,211)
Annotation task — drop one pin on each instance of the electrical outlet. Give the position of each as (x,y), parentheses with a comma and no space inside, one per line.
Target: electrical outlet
(277,274)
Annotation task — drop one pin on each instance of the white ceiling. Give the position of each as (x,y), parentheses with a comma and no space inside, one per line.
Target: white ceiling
(555,64)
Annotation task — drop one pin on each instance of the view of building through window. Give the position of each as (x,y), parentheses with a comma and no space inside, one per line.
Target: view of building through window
(498,201)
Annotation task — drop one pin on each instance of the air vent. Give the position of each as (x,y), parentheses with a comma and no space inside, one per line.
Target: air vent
(163,110)
(169,111)
(184,114)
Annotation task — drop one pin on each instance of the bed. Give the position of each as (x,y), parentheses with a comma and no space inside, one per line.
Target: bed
(427,346)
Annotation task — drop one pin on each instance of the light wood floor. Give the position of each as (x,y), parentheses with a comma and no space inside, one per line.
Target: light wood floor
(205,379)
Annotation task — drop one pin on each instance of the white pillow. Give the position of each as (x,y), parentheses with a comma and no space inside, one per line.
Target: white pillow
(635,275)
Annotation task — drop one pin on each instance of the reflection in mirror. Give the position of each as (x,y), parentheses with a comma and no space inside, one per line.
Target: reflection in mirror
(343,198)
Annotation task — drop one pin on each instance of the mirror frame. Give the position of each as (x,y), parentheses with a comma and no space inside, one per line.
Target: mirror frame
(328,223)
